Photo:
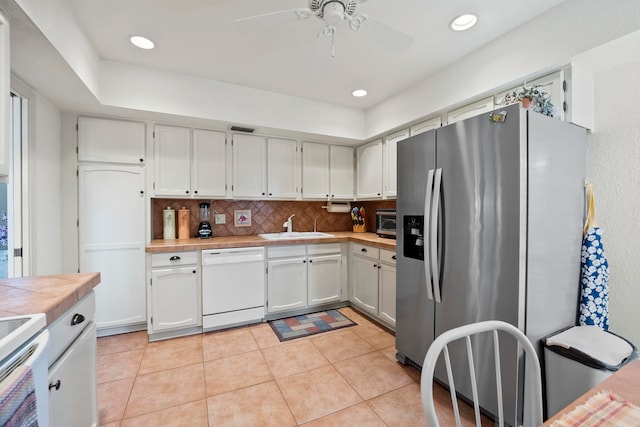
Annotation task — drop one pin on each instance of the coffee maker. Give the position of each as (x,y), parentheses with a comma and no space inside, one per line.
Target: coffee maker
(204,229)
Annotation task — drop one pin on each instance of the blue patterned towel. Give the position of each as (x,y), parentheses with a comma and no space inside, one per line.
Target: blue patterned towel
(594,295)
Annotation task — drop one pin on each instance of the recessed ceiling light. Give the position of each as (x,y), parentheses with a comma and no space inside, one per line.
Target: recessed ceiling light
(463,22)
(358,93)
(142,42)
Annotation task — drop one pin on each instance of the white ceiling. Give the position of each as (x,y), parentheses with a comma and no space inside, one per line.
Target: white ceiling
(197,38)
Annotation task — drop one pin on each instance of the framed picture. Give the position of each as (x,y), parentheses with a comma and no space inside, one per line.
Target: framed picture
(242,218)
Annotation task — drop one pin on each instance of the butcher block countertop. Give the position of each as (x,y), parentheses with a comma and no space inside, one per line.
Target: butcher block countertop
(52,295)
(222,242)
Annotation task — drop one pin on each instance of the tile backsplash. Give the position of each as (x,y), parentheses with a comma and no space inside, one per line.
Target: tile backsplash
(266,216)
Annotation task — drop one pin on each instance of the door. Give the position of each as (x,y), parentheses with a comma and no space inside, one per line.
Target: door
(111,207)
(174,294)
(287,284)
(72,379)
(369,159)
(249,166)
(324,279)
(341,172)
(110,141)
(388,293)
(282,168)
(365,283)
(208,163)
(315,171)
(415,311)
(172,146)
(482,196)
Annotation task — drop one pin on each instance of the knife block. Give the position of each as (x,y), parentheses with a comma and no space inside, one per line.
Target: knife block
(358,228)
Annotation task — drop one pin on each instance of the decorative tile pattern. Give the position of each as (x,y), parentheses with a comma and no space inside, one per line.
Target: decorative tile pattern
(309,324)
(266,216)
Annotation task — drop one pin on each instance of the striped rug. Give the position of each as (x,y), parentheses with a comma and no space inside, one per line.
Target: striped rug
(309,324)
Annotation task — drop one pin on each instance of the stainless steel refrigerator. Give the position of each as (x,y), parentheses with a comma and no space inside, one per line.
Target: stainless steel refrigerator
(490,213)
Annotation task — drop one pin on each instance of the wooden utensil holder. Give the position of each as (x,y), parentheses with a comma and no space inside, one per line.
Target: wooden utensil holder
(360,228)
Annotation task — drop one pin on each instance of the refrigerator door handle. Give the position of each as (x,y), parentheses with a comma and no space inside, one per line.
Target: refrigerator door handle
(433,235)
(425,234)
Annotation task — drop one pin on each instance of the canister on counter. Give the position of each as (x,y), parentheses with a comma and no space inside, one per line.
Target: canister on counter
(184,225)
(169,223)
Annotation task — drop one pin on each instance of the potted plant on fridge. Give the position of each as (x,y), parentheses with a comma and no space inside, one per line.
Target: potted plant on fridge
(532,98)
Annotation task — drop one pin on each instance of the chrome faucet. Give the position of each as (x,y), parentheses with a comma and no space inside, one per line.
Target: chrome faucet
(288,223)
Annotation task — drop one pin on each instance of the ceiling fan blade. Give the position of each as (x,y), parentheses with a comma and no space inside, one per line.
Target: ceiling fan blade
(388,37)
(270,20)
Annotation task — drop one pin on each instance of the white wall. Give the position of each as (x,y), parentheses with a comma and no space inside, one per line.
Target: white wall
(613,166)
(45,190)
(69,196)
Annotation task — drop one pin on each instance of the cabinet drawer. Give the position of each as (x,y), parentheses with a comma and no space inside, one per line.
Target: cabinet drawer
(365,251)
(70,325)
(323,249)
(388,256)
(286,251)
(174,258)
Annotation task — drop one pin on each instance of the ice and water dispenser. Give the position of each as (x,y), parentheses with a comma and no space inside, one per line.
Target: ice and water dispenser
(412,229)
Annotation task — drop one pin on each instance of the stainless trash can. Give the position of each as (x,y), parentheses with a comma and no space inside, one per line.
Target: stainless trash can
(578,358)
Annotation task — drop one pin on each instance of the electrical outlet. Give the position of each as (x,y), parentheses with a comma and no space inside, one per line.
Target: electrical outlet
(221,219)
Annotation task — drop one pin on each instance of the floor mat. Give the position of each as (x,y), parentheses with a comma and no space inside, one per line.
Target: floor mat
(310,324)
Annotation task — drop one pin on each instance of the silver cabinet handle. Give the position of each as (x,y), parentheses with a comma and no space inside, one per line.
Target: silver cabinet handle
(433,238)
(425,233)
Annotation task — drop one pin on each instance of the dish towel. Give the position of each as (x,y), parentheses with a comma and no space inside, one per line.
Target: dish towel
(604,409)
(18,399)
(594,280)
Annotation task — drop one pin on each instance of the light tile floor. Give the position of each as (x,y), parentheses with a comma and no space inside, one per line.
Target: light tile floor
(247,377)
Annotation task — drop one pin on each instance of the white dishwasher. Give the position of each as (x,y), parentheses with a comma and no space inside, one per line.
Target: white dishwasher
(233,282)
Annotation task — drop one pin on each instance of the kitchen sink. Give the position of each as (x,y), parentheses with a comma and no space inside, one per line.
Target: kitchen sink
(16,330)
(295,235)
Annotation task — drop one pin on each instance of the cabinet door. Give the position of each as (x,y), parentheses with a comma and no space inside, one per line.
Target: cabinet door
(341,172)
(111,210)
(390,162)
(112,141)
(387,277)
(365,283)
(286,284)
(315,171)
(552,84)
(249,166)
(174,298)
(479,107)
(282,168)
(425,126)
(74,403)
(324,279)
(172,152)
(209,163)
(369,181)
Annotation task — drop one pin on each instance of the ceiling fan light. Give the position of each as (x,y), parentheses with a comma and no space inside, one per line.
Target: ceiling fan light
(359,93)
(142,42)
(463,22)
(333,13)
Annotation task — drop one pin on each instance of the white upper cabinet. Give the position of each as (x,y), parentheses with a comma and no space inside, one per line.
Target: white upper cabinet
(473,109)
(390,162)
(110,141)
(208,163)
(369,159)
(341,172)
(426,126)
(315,171)
(172,152)
(249,166)
(282,168)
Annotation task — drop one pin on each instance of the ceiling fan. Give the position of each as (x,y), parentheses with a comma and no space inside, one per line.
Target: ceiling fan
(332,13)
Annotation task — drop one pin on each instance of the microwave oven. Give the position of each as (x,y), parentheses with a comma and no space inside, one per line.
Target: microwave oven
(386,223)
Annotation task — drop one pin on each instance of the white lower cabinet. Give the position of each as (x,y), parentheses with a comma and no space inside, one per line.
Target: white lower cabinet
(373,282)
(174,292)
(300,276)
(287,284)
(72,356)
